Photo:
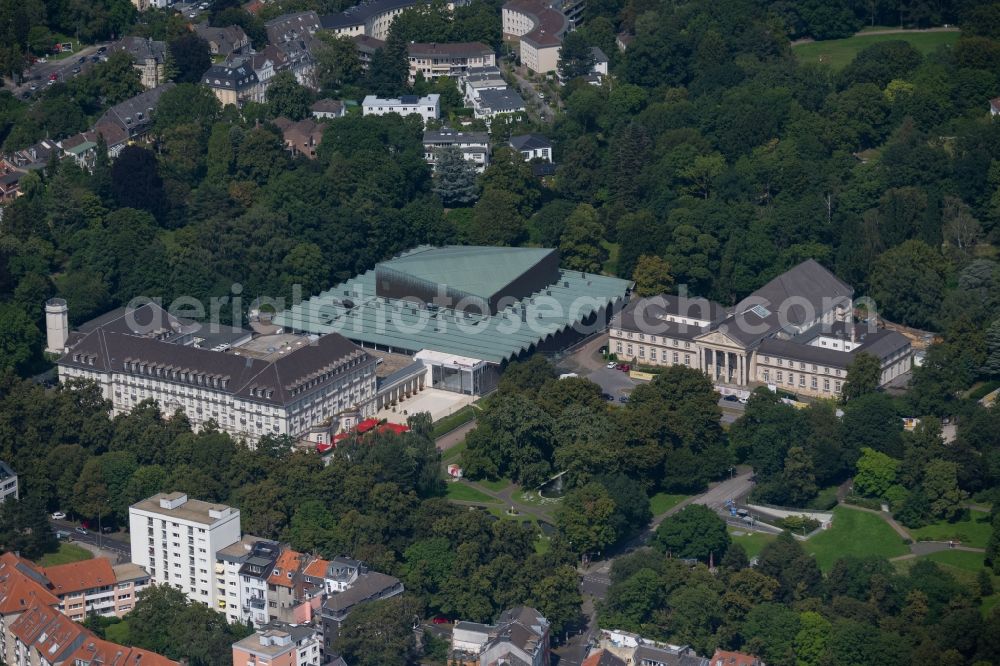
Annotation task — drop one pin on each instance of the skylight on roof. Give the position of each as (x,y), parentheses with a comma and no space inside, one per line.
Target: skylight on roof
(760,311)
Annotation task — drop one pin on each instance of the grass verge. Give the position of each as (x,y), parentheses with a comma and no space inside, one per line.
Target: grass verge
(66,554)
(838,53)
(452,421)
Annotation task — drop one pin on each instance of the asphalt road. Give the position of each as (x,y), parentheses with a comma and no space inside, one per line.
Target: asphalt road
(113,542)
(39,73)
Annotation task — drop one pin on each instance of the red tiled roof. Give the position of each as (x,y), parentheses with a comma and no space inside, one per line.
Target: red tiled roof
(288,562)
(19,591)
(80,576)
(317,568)
(724,658)
(98,651)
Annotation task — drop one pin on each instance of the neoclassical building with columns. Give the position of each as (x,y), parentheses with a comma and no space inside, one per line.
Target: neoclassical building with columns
(796,333)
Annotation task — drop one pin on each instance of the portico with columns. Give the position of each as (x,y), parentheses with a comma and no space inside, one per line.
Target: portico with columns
(723,359)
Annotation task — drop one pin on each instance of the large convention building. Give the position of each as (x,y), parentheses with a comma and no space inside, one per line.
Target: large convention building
(797,333)
(248,385)
(464,311)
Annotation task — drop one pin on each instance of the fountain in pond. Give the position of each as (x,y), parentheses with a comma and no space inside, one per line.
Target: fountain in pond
(553,488)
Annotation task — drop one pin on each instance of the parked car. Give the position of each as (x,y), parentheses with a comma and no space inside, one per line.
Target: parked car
(82,60)
(441,620)
(608,397)
(54,76)
(95,58)
(58,515)
(79,530)
(76,70)
(611,365)
(625,367)
(623,399)
(731,398)
(103,49)
(34,87)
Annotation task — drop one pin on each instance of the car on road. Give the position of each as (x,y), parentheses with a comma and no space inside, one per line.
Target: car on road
(76,70)
(34,87)
(79,530)
(58,515)
(731,398)
(611,365)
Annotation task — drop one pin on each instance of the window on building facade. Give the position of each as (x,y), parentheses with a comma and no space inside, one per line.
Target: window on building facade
(814,383)
(826,384)
(687,359)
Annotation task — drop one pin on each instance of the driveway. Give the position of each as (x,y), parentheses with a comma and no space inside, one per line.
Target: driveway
(530,91)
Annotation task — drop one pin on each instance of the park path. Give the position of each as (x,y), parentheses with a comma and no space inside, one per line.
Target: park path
(454,437)
(887,31)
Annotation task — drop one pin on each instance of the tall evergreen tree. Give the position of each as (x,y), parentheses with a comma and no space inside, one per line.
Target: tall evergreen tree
(454,177)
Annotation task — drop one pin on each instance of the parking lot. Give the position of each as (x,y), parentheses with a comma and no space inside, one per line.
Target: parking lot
(588,362)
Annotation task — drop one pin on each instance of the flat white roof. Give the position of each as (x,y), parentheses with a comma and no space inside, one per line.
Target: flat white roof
(446,359)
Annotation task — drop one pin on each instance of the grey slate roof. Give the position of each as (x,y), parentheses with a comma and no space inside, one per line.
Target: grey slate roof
(449,137)
(112,347)
(135,115)
(369,587)
(292,26)
(500,101)
(808,281)
(141,49)
(358,14)
(238,76)
(653,656)
(598,54)
(880,344)
(642,315)
(529,141)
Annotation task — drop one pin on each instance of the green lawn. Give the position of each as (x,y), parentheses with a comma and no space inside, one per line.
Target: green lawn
(958,559)
(496,486)
(67,553)
(974,531)
(466,493)
(663,502)
(118,632)
(839,52)
(854,533)
(752,542)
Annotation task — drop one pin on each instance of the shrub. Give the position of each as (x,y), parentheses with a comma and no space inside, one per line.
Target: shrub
(798,524)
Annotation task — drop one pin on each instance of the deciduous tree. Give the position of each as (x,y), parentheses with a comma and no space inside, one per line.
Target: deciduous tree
(695,532)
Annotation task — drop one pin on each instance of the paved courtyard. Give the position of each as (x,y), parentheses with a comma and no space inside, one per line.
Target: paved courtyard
(439,403)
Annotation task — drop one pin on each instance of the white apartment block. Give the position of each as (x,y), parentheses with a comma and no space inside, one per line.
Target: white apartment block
(475,146)
(228,562)
(250,390)
(176,540)
(427,107)
(8,482)
(452,59)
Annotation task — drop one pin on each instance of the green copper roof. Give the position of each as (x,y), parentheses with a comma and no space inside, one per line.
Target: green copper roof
(481,271)
(353,310)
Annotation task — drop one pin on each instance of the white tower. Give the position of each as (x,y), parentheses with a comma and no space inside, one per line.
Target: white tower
(56,325)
